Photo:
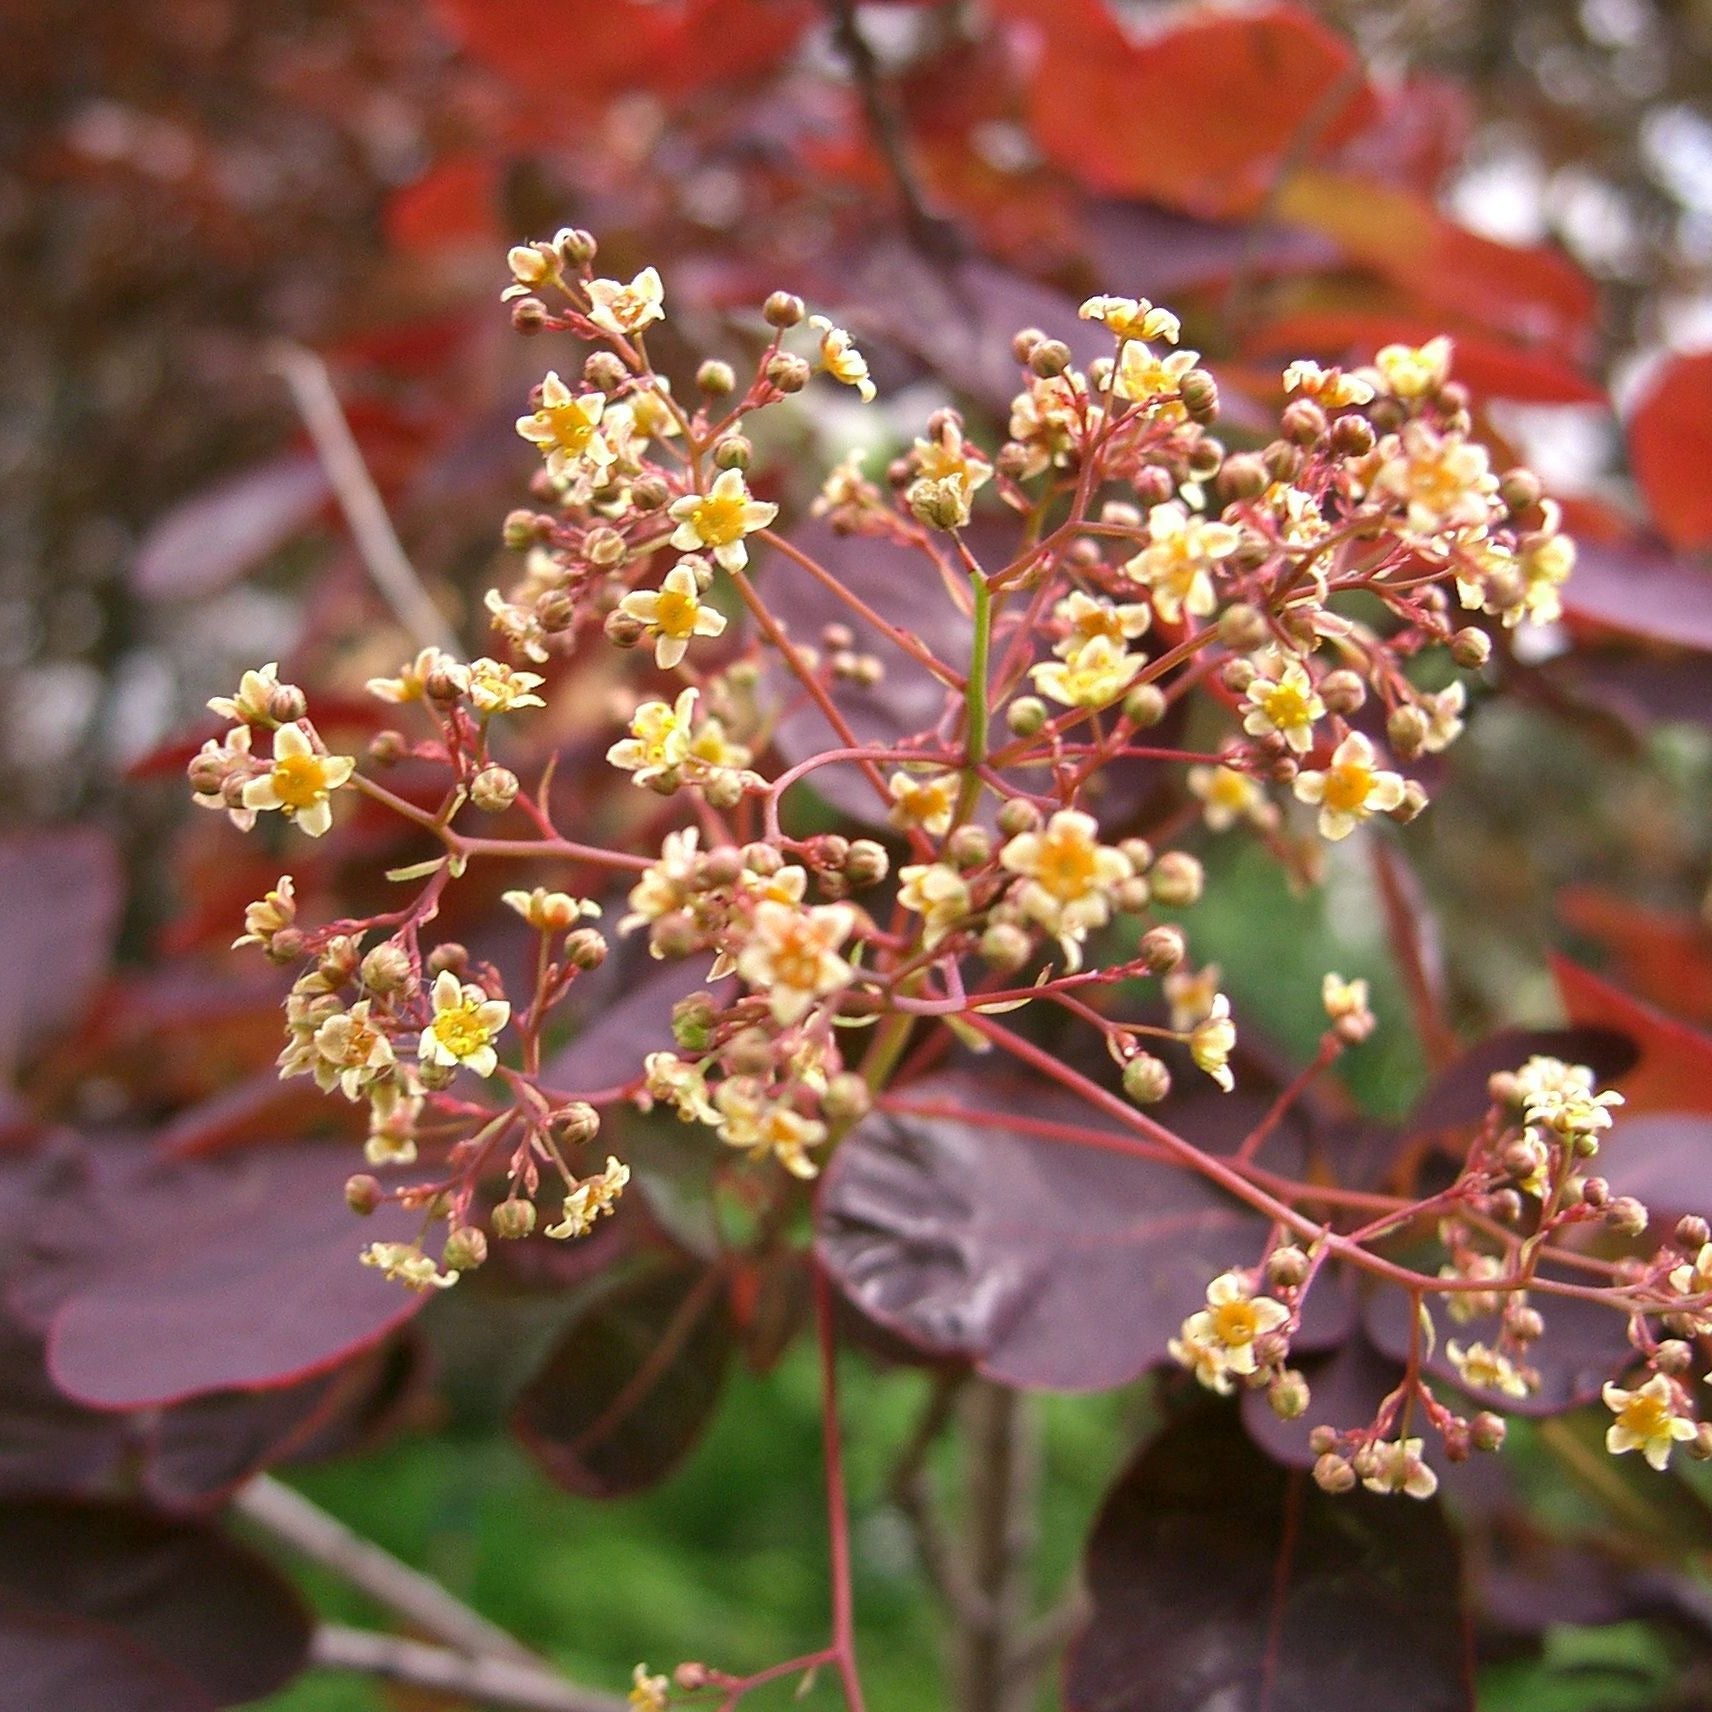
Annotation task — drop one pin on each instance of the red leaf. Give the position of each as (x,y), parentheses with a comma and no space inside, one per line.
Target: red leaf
(632,1383)
(1051,1263)
(1221,1580)
(454,203)
(237,1272)
(1670,448)
(1662,956)
(1642,592)
(175,1598)
(1490,367)
(59,910)
(53,1658)
(1199,116)
(1675,1072)
(211,539)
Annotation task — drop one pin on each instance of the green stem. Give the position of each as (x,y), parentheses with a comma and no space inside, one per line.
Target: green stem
(975,695)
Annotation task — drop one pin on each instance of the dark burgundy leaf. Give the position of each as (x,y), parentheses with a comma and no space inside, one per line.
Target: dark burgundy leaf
(624,1012)
(239,1272)
(214,537)
(1221,1581)
(1642,591)
(1459,1095)
(631,1384)
(59,909)
(54,1659)
(1050,1264)
(383,1388)
(1584,1345)
(1346,1388)
(1663,1159)
(180,1594)
(1639,687)
(48,1443)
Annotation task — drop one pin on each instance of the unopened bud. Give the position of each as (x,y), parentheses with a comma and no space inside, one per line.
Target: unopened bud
(693,1020)
(465,1250)
(748,1053)
(1145,705)
(733,452)
(387,968)
(576,1123)
(847,1099)
(528,315)
(1303,421)
(1287,1267)
(1162,949)
(1288,1395)
(1692,1233)
(1471,648)
(1520,490)
(1242,628)
(604,371)
(1017,816)
(1700,1446)
(1146,1079)
(1006,946)
(787,373)
(286,704)
(585,948)
(715,378)
(1673,1356)
(867,864)
(969,847)
(1626,1216)
(1407,730)
(1523,1323)
(1243,476)
(1178,879)
(1487,1431)
(1595,1193)
(1049,358)
(1026,716)
(1352,436)
(783,309)
(1200,395)
(512,1219)
(1334,1474)
(623,630)
(1343,691)
(1322,1440)
(363,1194)
(1132,896)
(448,955)
(387,748)
(494,789)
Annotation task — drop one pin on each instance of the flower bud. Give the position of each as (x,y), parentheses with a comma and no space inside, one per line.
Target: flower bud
(512,1219)
(1242,628)
(465,1250)
(494,789)
(1022,345)
(286,704)
(969,847)
(1471,648)
(1322,1439)
(1343,691)
(363,1194)
(1287,1267)
(1200,395)
(733,452)
(1520,490)
(1237,675)
(604,371)
(387,968)
(748,1053)
(787,373)
(1692,1233)
(1303,421)
(388,748)
(1334,1474)
(715,378)
(1243,476)
(1626,1216)
(1145,705)
(448,955)
(1288,1395)
(1178,879)
(622,630)
(585,948)
(1132,896)
(1006,946)
(1523,1323)
(1026,716)
(783,309)
(1146,1079)
(1595,1193)
(867,864)
(1407,729)
(693,1019)
(1673,1356)
(1162,949)
(1487,1431)
(1017,816)
(1352,436)
(528,315)
(576,1123)
(762,859)
(848,1099)
(1049,358)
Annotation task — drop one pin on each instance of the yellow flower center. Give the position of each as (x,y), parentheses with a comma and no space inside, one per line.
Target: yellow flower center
(1067,867)
(571,428)
(1645,1417)
(300,781)
(1235,1323)
(796,963)
(1347,787)
(1286,706)
(675,613)
(460,1030)
(718,519)
(1229,790)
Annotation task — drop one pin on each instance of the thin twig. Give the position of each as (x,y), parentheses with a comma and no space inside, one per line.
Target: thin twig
(291,1518)
(359,499)
(912,1491)
(488,1681)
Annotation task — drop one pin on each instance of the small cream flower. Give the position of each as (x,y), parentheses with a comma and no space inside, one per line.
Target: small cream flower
(625,309)
(761,1126)
(1444,481)
(1177,566)
(250,706)
(1228,796)
(1142,377)
(1415,372)
(411,684)
(659,738)
(591,1197)
(405,1263)
(681,1085)
(1694,1278)
(497,688)
(1133,318)
(791,955)
(300,781)
(1351,789)
(1282,701)
(1212,1040)
(949,456)
(566,427)
(1095,675)
(841,359)
(720,518)
(1346,1007)
(549,912)
(648,1693)
(1084,618)
(274,913)
(1068,877)
(1647,1421)
(1397,1467)
(1560,1097)
(351,1051)
(937,893)
(1190,995)
(464,1024)
(1444,717)
(1205,1360)
(1233,1320)
(926,801)
(1329,387)
(1485,1368)
(673,613)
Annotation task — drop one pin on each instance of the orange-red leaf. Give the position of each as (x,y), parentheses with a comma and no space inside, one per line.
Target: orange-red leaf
(453,203)
(1661,955)
(1198,117)
(1675,1072)
(1670,449)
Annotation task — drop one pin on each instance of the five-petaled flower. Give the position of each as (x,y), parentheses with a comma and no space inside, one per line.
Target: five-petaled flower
(1397,1466)
(1649,1419)
(463,1026)
(791,955)
(1282,701)
(659,739)
(1351,789)
(720,518)
(625,309)
(589,1199)
(1212,1040)
(673,613)
(1067,877)
(1223,1334)
(566,426)
(1176,567)
(841,359)
(300,781)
